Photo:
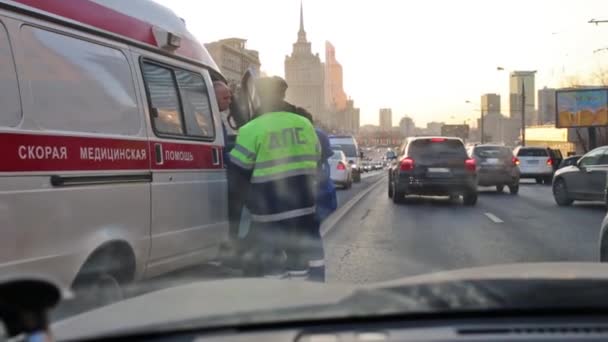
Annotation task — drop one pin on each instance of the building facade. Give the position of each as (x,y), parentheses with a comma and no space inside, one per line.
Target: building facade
(335,97)
(546,106)
(518,80)
(386,118)
(490,103)
(407,127)
(233,58)
(304,74)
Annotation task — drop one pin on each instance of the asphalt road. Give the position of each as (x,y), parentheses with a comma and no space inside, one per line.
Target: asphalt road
(378,240)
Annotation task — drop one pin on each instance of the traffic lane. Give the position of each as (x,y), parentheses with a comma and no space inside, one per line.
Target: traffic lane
(378,240)
(345,195)
(566,233)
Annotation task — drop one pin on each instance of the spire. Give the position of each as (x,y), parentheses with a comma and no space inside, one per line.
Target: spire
(301,32)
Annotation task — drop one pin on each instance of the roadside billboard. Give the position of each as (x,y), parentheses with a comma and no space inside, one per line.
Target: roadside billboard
(460,131)
(581,107)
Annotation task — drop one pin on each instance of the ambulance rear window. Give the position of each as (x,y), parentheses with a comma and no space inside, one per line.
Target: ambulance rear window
(10,115)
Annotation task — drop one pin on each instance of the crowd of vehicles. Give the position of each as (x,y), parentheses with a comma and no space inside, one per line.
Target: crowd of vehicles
(439,166)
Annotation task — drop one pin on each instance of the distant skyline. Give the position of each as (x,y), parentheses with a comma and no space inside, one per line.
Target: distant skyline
(423,59)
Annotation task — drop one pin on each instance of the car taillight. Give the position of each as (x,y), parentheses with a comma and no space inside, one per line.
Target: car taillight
(438,139)
(341,166)
(406,164)
(515,161)
(470,164)
(550,162)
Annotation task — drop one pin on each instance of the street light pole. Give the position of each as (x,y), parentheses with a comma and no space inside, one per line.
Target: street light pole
(480,122)
(523,113)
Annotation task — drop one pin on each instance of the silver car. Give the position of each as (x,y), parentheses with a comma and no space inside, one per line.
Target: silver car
(340,171)
(496,166)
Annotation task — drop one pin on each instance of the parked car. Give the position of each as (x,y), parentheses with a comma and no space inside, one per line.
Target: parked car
(340,171)
(568,161)
(436,166)
(496,166)
(535,162)
(348,144)
(583,181)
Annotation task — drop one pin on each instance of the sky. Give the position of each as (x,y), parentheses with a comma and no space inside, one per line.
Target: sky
(423,59)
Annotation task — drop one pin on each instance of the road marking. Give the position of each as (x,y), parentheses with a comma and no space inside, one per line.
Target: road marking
(494,218)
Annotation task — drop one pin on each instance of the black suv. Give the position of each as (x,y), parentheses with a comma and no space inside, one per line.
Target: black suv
(433,166)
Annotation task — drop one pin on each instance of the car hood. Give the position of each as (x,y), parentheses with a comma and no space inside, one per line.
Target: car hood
(241,301)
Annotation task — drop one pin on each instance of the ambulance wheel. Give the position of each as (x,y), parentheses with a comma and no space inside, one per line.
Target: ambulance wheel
(102,279)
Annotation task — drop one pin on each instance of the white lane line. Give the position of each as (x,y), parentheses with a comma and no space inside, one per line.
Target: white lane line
(494,218)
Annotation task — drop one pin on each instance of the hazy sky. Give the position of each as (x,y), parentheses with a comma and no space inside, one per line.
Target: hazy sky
(421,58)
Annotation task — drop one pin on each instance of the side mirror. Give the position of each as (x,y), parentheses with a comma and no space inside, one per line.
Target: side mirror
(579,164)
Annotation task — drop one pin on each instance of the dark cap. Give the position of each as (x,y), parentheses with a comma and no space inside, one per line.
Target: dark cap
(271,87)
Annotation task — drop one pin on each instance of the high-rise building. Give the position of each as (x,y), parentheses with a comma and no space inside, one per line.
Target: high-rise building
(546,106)
(335,98)
(518,80)
(490,103)
(233,58)
(304,74)
(434,128)
(407,126)
(386,119)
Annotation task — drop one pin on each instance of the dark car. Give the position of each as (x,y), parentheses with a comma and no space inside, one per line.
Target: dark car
(583,181)
(433,166)
(496,166)
(568,161)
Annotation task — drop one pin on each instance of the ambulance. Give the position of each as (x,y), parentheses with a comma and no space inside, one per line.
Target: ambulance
(111,143)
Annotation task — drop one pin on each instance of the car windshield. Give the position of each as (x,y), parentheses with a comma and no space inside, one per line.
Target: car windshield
(492,152)
(436,149)
(170,161)
(532,152)
(338,155)
(349,150)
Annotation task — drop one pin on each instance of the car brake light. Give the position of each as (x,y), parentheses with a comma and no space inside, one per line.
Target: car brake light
(515,161)
(470,164)
(341,166)
(438,139)
(406,164)
(550,161)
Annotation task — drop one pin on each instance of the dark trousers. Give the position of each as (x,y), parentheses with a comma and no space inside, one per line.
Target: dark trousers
(292,243)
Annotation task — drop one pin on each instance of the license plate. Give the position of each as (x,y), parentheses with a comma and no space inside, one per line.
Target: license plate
(492,161)
(532,162)
(438,170)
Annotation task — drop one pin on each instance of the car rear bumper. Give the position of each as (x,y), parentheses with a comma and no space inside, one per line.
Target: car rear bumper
(339,177)
(496,178)
(436,187)
(536,174)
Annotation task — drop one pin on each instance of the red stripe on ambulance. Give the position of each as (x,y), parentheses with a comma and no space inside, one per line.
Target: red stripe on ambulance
(34,153)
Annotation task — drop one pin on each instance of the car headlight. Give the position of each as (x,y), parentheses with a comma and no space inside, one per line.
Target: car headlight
(354,166)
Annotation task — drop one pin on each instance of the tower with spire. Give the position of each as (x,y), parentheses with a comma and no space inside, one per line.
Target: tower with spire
(304,74)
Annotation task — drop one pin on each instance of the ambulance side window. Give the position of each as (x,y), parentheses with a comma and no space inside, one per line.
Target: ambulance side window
(10,115)
(164,100)
(77,85)
(179,102)
(197,107)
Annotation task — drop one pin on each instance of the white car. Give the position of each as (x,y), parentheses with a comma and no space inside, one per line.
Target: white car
(340,170)
(535,162)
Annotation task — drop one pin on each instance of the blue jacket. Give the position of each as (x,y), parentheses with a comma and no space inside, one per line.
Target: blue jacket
(327,201)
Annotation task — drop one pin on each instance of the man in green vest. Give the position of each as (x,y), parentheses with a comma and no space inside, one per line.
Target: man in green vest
(277,154)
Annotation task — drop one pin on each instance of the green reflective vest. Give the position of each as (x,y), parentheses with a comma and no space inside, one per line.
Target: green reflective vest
(281,150)
(277,145)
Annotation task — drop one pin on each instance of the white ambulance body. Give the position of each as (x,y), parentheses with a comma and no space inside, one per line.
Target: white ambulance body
(110,142)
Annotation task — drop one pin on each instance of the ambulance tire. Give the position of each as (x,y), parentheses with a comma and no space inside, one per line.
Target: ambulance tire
(103,277)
